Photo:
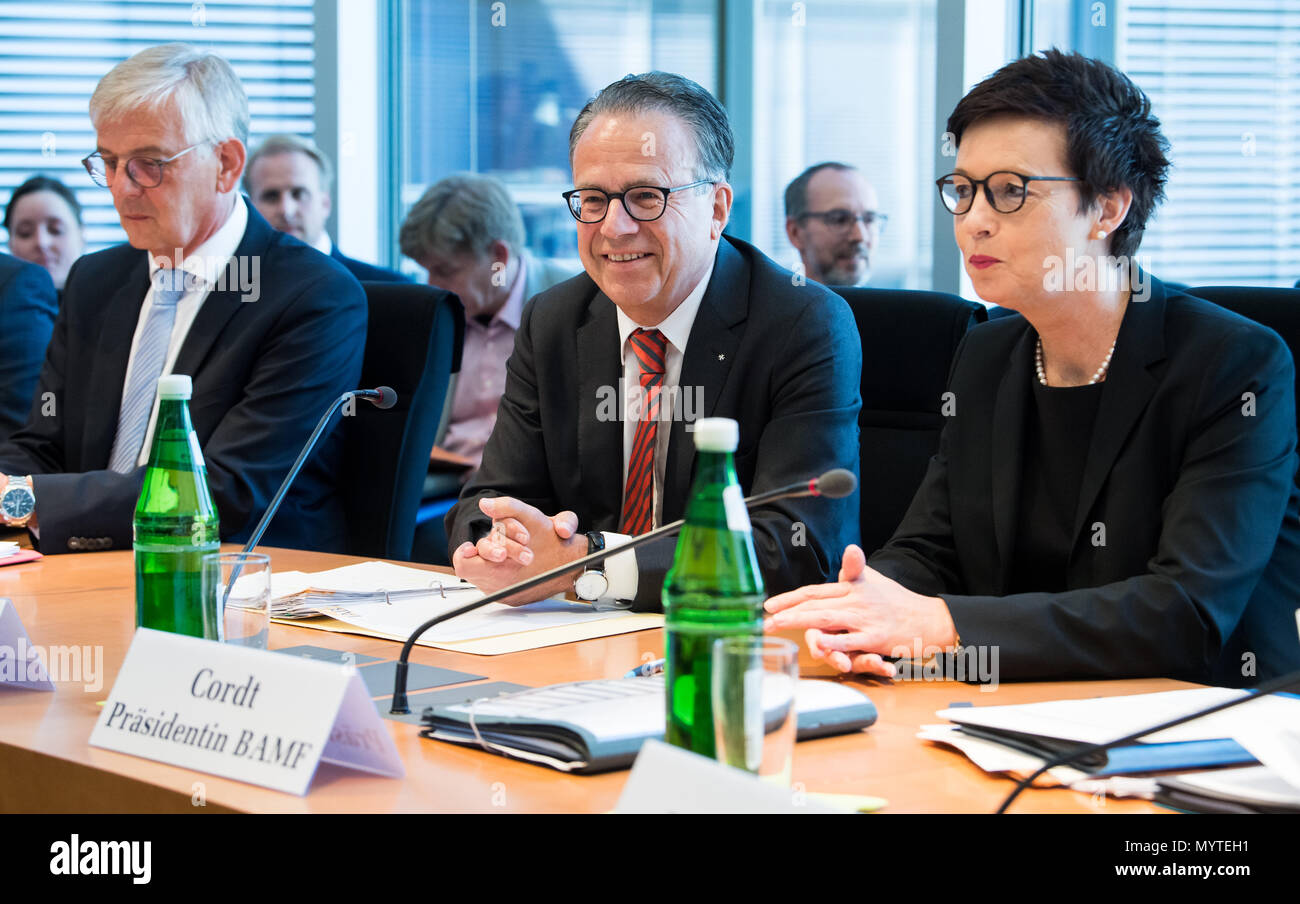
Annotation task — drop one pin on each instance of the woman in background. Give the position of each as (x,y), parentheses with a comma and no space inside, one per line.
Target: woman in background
(43,220)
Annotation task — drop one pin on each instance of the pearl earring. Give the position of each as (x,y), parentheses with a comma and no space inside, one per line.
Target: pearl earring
(1101,233)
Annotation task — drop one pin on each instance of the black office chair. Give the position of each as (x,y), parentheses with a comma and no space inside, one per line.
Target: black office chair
(413,344)
(1277,309)
(908,342)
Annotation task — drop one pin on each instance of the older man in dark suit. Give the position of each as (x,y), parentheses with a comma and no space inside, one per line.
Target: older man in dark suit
(27,308)
(270,331)
(732,334)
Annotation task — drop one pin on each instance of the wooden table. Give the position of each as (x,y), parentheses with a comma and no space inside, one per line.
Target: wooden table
(89,599)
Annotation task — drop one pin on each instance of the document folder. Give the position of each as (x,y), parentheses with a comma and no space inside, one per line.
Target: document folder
(596,726)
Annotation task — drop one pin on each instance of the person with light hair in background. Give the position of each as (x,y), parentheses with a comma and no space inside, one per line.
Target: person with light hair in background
(288,179)
(467,234)
(270,331)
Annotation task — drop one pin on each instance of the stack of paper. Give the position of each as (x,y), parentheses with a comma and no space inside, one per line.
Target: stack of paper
(13,554)
(380,599)
(1019,739)
(296,594)
(1254,789)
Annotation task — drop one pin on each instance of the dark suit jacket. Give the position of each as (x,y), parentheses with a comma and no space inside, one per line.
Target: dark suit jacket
(363,271)
(1186,553)
(783,361)
(27,308)
(264,372)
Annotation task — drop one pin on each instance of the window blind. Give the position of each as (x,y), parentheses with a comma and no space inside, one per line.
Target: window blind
(1224,79)
(52,54)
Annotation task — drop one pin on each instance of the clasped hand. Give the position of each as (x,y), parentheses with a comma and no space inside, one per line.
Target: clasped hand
(523,542)
(854,623)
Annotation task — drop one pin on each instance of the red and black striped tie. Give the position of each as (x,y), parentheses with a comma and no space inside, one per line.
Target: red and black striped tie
(649,347)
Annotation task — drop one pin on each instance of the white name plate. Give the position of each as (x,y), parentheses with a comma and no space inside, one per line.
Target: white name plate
(666,779)
(252,715)
(20,662)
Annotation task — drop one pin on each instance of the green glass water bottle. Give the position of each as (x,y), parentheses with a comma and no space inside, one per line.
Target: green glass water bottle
(175,523)
(714,587)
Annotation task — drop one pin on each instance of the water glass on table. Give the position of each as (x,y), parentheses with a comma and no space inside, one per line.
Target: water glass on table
(754,718)
(244,606)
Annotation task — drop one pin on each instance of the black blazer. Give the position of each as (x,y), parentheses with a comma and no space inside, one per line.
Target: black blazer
(784,361)
(265,363)
(27,308)
(1186,556)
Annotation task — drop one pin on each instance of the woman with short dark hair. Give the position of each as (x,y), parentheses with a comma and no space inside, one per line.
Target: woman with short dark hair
(1115,495)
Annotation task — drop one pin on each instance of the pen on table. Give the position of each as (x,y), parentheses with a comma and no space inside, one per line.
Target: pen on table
(646,669)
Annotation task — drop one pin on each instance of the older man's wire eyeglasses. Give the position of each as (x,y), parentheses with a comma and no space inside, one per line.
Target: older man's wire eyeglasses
(1005,191)
(146,172)
(642,202)
(842,220)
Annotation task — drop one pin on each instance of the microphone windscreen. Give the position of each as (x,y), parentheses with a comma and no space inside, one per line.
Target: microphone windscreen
(836,484)
(388,398)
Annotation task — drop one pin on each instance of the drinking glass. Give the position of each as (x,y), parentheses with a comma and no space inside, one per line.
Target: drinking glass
(754,718)
(244,606)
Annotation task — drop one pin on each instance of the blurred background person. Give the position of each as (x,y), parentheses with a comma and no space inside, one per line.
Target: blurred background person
(832,218)
(27,309)
(43,220)
(289,179)
(467,234)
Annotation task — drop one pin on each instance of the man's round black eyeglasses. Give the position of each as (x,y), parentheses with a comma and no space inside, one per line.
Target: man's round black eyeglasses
(642,202)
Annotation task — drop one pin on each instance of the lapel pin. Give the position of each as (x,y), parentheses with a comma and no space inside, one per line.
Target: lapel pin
(722,357)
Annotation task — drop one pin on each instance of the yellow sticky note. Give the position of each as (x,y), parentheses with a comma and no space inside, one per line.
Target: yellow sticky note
(854,803)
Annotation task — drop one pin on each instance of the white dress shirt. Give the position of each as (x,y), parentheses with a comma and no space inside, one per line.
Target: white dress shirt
(621,569)
(207,262)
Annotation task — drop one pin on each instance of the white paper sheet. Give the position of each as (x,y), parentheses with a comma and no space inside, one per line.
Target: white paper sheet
(1278,748)
(404,616)
(1101,719)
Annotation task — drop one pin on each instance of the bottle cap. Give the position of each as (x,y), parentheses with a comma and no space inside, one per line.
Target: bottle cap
(175,386)
(716,434)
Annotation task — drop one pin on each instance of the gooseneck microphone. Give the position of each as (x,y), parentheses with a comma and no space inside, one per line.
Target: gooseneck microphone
(380,397)
(834,484)
(1277,685)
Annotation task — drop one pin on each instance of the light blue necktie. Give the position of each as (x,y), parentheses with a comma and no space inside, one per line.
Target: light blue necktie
(150,355)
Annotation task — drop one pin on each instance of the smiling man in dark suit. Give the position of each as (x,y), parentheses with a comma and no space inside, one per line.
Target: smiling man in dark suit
(270,330)
(732,336)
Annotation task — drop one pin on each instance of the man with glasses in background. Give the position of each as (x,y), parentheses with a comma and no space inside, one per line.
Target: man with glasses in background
(832,219)
(270,331)
(706,322)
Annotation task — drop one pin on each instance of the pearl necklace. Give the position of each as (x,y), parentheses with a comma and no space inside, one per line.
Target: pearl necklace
(1096,378)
